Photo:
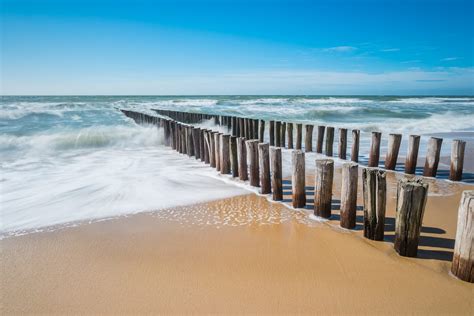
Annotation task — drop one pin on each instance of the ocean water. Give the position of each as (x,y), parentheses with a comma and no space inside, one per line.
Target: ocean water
(77,158)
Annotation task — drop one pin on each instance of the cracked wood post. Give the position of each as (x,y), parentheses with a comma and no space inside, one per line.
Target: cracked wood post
(264,164)
(457,160)
(299,135)
(234,160)
(277,134)
(289,129)
(323,187)
(412,154)
(374,155)
(252,160)
(224,154)
(463,259)
(217,138)
(282,134)
(308,139)
(242,156)
(411,201)
(355,145)
(212,149)
(261,131)
(432,157)
(342,143)
(348,212)
(329,141)
(277,174)
(197,142)
(271,133)
(320,139)
(298,179)
(374,187)
(394,141)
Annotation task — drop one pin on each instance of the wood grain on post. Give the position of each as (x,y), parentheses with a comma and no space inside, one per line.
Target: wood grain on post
(298,179)
(271,133)
(329,141)
(252,159)
(197,142)
(277,173)
(264,166)
(242,155)
(217,141)
(234,126)
(374,187)
(394,141)
(320,139)
(234,160)
(412,154)
(457,160)
(355,145)
(463,259)
(224,154)
(277,134)
(308,140)
(207,146)
(411,201)
(299,135)
(432,157)
(241,127)
(202,145)
(342,150)
(348,212)
(323,187)
(261,131)
(282,134)
(289,129)
(374,155)
(212,152)
(189,141)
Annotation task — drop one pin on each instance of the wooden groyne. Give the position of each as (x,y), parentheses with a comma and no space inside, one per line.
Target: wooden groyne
(240,152)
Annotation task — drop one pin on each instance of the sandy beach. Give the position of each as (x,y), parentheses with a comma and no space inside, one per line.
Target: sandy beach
(241,255)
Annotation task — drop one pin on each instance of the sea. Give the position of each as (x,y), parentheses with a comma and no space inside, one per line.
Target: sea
(72,159)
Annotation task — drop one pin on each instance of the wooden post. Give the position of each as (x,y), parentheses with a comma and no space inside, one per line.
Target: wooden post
(323,187)
(282,136)
(355,145)
(342,143)
(350,173)
(242,155)
(299,135)
(276,168)
(463,259)
(329,140)
(234,125)
(298,178)
(255,129)
(207,146)
(224,154)
(252,159)
(264,164)
(320,140)
(289,128)
(234,160)
(432,157)
(374,187)
(308,140)
(271,133)
(217,138)
(412,154)
(261,131)
(241,127)
(411,201)
(202,145)
(394,141)
(374,155)
(212,152)
(277,134)
(189,141)
(196,142)
(457,160)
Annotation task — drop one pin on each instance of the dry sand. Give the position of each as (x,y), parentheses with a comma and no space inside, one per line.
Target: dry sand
(242,255)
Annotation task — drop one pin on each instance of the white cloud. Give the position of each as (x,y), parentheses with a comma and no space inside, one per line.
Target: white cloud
(340,49)
(449,59)
(390,50)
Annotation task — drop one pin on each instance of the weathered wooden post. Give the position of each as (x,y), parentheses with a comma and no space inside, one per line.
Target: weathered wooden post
(374,187)
(261,131)
(234,126)
(394,141)
(277,173)
(329,140)
(412,154)
(217,138)
(252,158)
(298,178)
(282,134)
(355,145)
(411,201)
(299,135)
(224,154)
(241,127)
(264,164)
(189,141)
(202,145)
(271,133)
(323,187)
(342,143)
(308,140)
(432,157)
(289,128)
(463,259)
(320,140)
(196,141)
(207,146)
(374,155)
(457,160)
(212,152)
(242,155)
(234,160)
(349,195)
(277,134)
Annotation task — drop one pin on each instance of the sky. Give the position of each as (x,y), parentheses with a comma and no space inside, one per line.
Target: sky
(165,47)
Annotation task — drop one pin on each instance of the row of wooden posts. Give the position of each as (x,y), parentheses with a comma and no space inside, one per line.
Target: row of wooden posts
(261,164)
(281,135)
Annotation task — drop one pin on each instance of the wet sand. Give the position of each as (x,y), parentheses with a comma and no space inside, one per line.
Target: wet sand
(240,255)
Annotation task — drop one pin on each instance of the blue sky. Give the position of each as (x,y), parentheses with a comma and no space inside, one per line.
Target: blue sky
(237,47)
